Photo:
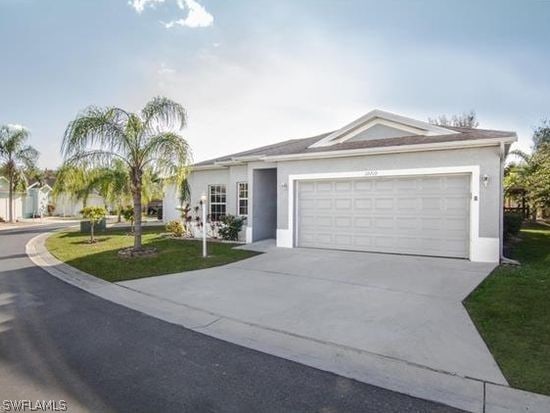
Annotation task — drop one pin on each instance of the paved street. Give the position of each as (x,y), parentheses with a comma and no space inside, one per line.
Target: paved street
(58,342)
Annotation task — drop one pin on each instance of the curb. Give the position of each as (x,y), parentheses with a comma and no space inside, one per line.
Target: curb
(461,392)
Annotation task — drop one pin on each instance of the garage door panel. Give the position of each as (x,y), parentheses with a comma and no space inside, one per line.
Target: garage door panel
(407,204)
(407,223)
(343,240)
(362,242)
(426,215)
(384,185)
(431,203)
(362,203)
(361,222)
(306,187)
(384,223)
(343,204)
(323,187)
(382,204)
(325,221)
(363,186)
(343,186)
(323,204)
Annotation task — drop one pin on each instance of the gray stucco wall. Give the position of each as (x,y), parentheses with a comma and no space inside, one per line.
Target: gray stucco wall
(486,158)
(199,181)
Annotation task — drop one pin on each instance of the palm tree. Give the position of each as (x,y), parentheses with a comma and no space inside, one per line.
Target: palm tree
(75,182)
(520,175)
(114,186)
(15,158)
(146,142)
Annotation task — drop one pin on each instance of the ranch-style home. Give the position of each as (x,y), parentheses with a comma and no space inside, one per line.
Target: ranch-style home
(383,183)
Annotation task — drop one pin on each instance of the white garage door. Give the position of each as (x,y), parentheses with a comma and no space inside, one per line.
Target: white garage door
(425,215)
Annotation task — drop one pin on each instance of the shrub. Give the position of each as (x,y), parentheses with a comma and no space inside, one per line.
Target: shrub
(230,227)
(94,214)
(512,224)
(128,214)
(51,209)
(175,228)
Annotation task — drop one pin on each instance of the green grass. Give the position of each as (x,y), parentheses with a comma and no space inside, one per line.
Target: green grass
(101,260)
(511,309)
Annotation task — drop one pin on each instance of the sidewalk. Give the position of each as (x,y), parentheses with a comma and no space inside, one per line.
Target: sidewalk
(34,222)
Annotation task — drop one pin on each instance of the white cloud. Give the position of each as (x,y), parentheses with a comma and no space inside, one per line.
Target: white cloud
(164,69)
(197,16)
(140,5)
(16,126)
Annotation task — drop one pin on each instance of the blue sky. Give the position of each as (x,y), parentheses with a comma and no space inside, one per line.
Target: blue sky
(256,72)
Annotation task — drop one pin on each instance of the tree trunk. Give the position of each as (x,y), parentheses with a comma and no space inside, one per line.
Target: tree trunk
(10,199)
(91,232)
(119,214)
(137,210)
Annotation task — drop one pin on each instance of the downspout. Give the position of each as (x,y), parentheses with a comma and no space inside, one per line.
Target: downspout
(502,154)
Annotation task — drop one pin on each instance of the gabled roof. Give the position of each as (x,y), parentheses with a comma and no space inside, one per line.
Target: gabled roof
(414,135)
(37,185)
(410,127)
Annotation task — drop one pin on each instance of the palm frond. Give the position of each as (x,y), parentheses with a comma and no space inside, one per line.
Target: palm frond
(96,128)
(167,149)
(524,156)
(94,159)
(163,113)
(12,140)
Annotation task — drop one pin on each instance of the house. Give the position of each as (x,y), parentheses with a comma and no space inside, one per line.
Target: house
(37,199)
(30,203)
(383,183)
(67,205)
(18,201)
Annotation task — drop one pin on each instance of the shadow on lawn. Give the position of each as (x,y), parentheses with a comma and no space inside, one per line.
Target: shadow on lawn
(174,256)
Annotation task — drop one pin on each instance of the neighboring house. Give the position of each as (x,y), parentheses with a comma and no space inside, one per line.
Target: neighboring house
(33,202)
(37,200)
(67,205)
(18,201)
(383,183)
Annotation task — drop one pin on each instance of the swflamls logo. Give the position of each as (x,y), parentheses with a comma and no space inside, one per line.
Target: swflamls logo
(33,406)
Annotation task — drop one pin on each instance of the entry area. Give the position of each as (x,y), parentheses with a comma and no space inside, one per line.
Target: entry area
(264,204)
(421,215)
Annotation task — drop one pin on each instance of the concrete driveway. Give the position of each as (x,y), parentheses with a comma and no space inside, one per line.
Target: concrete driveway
(401,307)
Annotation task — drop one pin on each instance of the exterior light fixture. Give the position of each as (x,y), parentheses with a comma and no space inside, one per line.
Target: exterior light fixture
(485,180)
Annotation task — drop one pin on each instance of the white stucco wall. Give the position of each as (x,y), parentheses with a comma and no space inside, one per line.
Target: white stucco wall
(487,159)
(17,206)
(66,205)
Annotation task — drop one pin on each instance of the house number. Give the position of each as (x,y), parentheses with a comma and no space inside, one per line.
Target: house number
(371,173)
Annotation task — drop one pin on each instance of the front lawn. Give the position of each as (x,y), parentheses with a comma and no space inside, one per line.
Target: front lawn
(511,309)
(101,260)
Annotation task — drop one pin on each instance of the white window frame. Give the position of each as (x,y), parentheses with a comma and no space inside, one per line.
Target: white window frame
(239,198)
(211,203)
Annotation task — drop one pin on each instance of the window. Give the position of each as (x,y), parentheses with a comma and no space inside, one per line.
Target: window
(217,201)
(242,198)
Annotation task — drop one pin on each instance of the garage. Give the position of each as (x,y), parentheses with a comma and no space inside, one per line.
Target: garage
(422,215)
